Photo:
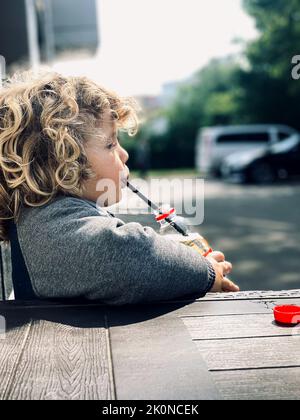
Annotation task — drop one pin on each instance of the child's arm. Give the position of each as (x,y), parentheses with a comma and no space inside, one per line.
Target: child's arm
(70,251)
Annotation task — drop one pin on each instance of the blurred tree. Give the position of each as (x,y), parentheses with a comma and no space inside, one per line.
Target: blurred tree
(269,93)
(209,98)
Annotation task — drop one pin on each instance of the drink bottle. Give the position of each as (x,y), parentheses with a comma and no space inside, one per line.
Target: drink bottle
(176,228)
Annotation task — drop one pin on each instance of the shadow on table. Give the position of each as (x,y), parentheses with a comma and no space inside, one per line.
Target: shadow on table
(80,314)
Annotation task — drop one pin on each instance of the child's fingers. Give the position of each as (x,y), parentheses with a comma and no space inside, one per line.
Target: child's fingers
(227,267)
(218,256)
(229,286)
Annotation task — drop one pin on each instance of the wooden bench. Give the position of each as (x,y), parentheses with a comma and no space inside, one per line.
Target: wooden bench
(218,347)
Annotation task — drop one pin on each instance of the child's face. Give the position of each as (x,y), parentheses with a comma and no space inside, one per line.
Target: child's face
(107,159)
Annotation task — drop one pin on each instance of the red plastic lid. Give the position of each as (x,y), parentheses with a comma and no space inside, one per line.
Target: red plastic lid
(164,215)
(207,252)
(287,314)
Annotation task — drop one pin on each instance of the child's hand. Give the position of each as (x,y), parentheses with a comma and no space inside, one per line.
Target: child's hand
(222,268)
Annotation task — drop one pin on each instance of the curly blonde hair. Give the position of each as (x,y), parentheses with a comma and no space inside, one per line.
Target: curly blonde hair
(45,121)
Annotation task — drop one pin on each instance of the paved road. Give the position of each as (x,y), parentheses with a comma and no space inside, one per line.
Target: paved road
(256,227)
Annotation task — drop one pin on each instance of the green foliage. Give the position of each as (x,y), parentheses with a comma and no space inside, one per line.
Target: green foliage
(205,100)
(269,92)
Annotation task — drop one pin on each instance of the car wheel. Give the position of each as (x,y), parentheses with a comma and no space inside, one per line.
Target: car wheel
(262,173)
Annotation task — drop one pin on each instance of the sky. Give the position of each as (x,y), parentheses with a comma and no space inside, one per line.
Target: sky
(146,43)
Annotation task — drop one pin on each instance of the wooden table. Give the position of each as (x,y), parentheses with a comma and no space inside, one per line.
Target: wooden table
(218,347)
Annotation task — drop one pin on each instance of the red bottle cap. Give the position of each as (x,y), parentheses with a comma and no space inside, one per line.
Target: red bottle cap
(287,314)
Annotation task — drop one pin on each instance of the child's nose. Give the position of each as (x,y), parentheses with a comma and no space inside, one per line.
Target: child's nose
(124,155)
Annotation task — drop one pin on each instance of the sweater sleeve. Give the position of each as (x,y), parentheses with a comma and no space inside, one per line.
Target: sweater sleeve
(70,250)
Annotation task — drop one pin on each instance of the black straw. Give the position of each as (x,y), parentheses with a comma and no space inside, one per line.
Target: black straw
(144,198)
(180,229)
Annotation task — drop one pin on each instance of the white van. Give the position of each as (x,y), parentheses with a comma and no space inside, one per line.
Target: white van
(213,144)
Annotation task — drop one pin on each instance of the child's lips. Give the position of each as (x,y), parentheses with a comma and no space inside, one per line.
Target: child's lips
(124,179)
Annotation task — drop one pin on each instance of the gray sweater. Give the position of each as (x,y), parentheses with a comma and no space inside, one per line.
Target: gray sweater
(72,248)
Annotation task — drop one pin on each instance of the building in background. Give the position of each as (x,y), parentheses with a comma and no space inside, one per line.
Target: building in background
(34,31)
(13,31)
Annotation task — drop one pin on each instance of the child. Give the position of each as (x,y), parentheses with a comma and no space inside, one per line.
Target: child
(58,140)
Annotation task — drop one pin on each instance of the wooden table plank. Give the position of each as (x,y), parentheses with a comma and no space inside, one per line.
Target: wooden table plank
(11,347)
(247,368)
(251,295)
(264,384)
(251,353)
(236,326)
(238,307)
(166,350)
(215,308)
(155,358)
(67,356)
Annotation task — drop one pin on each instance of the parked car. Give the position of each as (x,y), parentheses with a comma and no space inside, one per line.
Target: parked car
(216,143)
(264,165)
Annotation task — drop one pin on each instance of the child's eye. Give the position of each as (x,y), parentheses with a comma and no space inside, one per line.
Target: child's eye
(112,145)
